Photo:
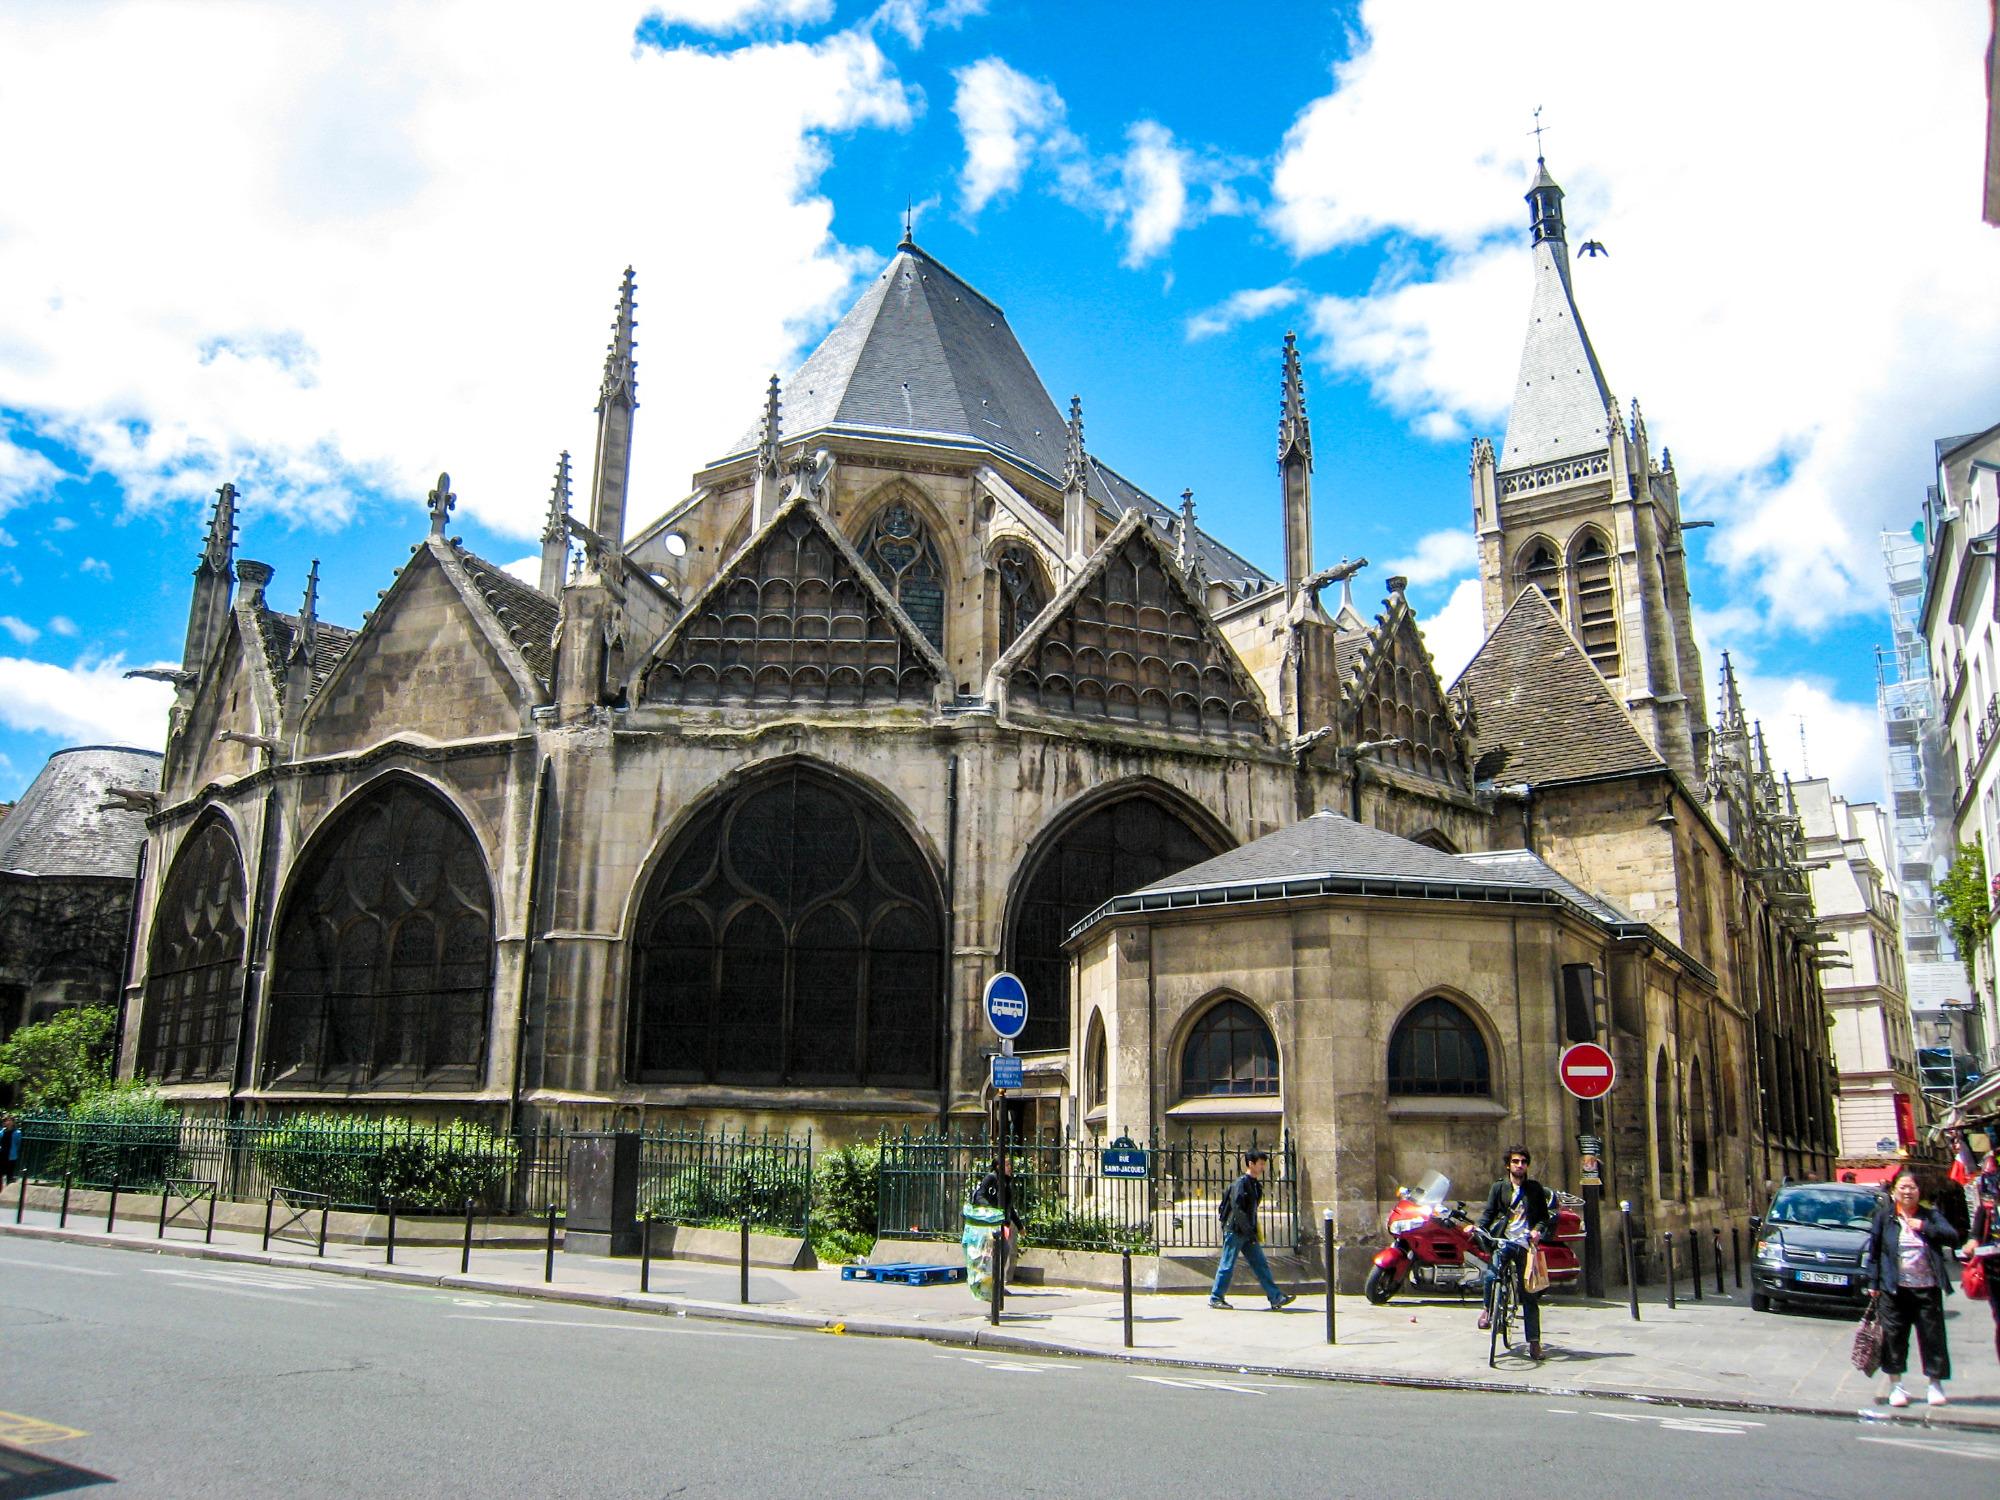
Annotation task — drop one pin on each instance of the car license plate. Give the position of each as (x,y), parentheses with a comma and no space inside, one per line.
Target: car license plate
(1823,1278)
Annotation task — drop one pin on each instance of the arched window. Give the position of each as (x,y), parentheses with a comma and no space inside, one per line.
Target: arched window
(1540,568)
(903,556)
(1596,603)
(1698,1148)
(194,967)
(1229,1051)
(1132,842)
(1096,1068)
(1023,592)
(384,968)
(1437,1050)
(1663,1123)
(793,935)
(1430,838)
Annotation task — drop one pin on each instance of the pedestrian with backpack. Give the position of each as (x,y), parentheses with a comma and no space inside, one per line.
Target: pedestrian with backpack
(1238,1212)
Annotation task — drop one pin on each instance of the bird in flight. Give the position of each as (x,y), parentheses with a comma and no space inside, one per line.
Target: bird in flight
(1592,247)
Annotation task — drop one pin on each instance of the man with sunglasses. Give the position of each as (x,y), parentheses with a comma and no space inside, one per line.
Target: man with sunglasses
(1520,1214)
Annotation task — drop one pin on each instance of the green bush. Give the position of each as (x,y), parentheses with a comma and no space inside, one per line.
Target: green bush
(769,1193)
(837,1247)
(1054,1225)
(847,1189)
(117,1132)
(60,1061)
(363,1162)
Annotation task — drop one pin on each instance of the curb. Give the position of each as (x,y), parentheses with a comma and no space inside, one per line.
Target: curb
(981,1337)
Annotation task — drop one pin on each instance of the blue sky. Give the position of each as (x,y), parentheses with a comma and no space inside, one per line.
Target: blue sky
(327,251)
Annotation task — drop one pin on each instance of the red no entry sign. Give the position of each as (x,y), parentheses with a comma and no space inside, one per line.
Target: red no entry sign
(1587,1071)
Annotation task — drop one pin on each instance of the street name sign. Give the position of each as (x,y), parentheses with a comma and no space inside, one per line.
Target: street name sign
(1586,1070)
(1124,1157)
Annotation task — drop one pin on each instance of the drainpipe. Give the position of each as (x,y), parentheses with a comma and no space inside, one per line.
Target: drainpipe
(131,958)
(950,939)
(536,821)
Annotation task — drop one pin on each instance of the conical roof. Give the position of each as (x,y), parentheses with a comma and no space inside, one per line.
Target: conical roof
(1560,397)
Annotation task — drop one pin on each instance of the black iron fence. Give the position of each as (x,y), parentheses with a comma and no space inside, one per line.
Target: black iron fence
(1067,1202)
(691,1177)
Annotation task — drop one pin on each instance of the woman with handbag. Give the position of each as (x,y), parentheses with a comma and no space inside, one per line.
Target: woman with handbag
(1908,1280)
(1982,1251)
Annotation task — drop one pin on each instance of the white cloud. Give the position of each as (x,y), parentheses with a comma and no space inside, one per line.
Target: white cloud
(1455,632)
(913,19)
(1842,741)
(721,17)
(62,625)
(91,702)
(23,474)
(1439,555)
(24,634)
(61,523)
(96,565)
(1003,115)
(1798,335)
(1154,176)
(407,241)
(1242,307)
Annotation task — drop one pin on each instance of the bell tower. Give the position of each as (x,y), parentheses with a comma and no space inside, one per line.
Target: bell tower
(1575,503)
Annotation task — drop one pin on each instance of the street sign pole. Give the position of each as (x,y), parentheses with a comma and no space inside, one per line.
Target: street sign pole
(1005,1001)
(1593,1198)
(1588,1072)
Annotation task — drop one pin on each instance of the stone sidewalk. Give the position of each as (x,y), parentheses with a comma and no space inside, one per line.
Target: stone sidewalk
(1715,1352)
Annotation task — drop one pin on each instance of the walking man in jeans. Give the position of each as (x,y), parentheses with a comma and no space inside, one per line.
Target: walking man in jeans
(1238,1211)
(1519,1212)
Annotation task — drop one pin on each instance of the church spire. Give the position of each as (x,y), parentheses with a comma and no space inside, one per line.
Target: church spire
(221,547)
(555,533)
(617,399)
(1295,467)
(307,635)
(1078,538)
(765,483)
(1560,395)
(212,575)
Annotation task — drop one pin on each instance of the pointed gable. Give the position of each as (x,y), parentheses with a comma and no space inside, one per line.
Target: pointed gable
(1128,643)
(1538,698)
(1390,690)
(236,693)
(797,619)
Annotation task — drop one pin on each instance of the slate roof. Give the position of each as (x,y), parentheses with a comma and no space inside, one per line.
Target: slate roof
(1530,869)
(279,630)
(924,354)
(59,828)
(1536,695)
(1325,844)
(526,614)
(1559,396)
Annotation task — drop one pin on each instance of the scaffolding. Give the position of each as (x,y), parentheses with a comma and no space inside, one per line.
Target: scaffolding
(1919,783)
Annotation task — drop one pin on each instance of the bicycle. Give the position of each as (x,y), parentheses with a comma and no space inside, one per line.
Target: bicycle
(1506,1296)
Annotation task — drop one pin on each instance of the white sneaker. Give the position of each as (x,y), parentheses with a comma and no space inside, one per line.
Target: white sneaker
(1936,1396)
(1898,1396)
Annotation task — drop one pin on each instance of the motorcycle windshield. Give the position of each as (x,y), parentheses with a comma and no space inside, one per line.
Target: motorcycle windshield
(1433,1189)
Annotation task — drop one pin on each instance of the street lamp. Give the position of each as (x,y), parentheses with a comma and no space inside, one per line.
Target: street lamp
(1354,755)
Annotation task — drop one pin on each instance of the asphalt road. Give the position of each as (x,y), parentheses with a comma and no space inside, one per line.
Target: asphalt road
(188,1378)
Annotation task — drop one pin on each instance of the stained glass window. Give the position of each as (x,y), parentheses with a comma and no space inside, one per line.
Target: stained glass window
(793,936)
(194,968)
(902,555)
(1116,849)
(1437,1049)
(1229,1051)
(1023,593)
(383,974)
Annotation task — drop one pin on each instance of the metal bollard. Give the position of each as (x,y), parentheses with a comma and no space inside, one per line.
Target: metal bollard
(1667,1240)
(743,1266)
(999,1276)
(389,1240)
(208,1234)
(1126,1257)
(1694,1261)
(646,1254)
(549,1250)
(465,1254)
(163,1215)
(1720,1289)
(1736,1255)
(111,1213)
(21,1203)
(62,1218)
(1326,1241)
(270,1203)
(1631,1258)
(322,1231)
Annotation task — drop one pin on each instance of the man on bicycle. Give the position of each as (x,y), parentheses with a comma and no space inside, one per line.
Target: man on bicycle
(1520,1215)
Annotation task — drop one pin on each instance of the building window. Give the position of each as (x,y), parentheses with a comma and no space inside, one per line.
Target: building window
(1096,1069)
(900,551)
(1023,593)
(1230,1051)
(1663,1123)
(1437,1050)
(384,966)
(1541,569)
(194,966)
(793,935)
(1698,1140)
(1132,842)
(1596,604)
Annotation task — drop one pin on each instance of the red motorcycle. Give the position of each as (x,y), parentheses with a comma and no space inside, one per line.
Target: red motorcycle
(1431,1246)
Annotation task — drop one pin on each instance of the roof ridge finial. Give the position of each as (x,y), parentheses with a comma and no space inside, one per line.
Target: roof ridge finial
(221,544)
(307,635)
(1076,466)
(441,502)
(908,241)
(1294,431)
(621,370)
(1537,134)
(1184,529)
(771,431)
(557,528)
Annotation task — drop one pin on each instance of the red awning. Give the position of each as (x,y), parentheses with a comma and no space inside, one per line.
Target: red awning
(1879,1174)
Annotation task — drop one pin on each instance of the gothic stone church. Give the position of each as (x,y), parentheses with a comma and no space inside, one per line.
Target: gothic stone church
(732,816)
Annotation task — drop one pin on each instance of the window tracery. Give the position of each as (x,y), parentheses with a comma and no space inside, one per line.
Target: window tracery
(901,552)
(194,968)
(1023,592)
(1436,1050)
(1540,568)
(1229,1052)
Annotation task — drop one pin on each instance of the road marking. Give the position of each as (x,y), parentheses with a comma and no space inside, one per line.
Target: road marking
(700,1333)
(1930,1445)
(1210,1385)
(263,1279)
(49,1265)
(1713,1426)
(244,1291)
(1015,1366)
(15,1428)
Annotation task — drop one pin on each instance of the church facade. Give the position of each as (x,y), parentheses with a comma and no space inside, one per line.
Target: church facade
(731,817)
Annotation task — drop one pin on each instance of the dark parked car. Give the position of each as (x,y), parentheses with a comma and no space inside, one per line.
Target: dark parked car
(1808,1248)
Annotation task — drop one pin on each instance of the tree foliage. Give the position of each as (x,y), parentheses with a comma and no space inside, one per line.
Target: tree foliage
(58,1061)
(1966,904)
